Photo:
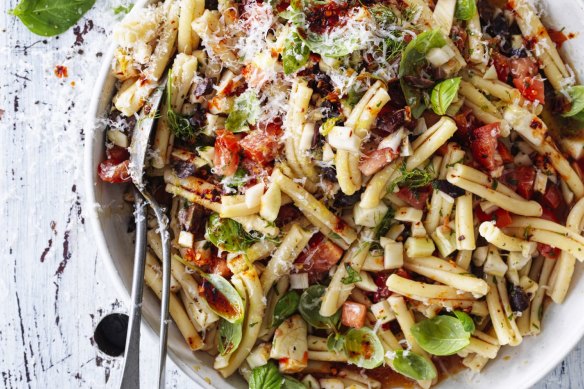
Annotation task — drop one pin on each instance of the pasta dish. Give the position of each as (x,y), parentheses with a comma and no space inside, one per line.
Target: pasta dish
(359,193)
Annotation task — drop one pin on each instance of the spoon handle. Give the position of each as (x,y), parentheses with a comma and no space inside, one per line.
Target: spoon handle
(131,369)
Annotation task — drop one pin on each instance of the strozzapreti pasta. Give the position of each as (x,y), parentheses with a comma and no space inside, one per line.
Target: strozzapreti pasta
(354,187)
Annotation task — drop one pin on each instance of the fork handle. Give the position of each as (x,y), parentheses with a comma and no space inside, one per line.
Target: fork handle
(131,369)
(164,314)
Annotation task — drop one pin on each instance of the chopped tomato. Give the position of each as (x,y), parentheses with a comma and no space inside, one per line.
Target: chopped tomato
(260,146)
(117,154)
(483,145)
(353,314)
(219,266)
(552,197)
(257,171)
(113,171)
(532,88)
(550,215)
(415,198)
(466,122)
(502,218)
(377,160)
(320,256)
(548,251)
(226,153)
(504,152)
(502,66)
(525,177)
(523,67)
(557,37)
(482,216)
(287,213)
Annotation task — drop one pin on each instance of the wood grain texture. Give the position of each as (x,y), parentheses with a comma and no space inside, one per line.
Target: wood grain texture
(53,289)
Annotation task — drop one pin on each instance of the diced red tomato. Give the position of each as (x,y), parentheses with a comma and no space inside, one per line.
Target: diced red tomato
(504,152)
(484,144)
(550,215)
(466,122)
(114,172)
(416,199)
(548,251)
(219,266)
(353,314)
(502,66)
(525,177)
(377,160)
(320,256)
(523,67)
(482,216)
(117,154)
(532,88)
(261,146)
(226,153)
(552,197)
(557,37)
(259,172)
(502,218)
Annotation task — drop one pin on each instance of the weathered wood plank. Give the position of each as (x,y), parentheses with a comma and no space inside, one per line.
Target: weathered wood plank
(53,289)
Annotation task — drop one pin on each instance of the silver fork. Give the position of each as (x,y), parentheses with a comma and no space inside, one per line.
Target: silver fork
(138,151)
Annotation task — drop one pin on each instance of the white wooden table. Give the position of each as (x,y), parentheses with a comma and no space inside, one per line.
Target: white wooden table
(53,289)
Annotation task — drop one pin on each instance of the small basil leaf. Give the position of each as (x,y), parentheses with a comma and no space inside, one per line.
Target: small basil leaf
(51,17)
(229,336)
(444,94)
(352,275)
(333,45)
(246,110)
(123,9)
(466,320)
(577,95)
(285,307)
(265,377)
(328,125)
(309,308)
(295,54)
(413,58)
(413,366)
(179,124)
(441,335)
(227,234)
(364,348)
(336,343)
(465,9)
(292,383)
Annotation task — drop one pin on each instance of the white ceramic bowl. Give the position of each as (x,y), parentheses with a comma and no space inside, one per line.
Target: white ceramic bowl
(518,367)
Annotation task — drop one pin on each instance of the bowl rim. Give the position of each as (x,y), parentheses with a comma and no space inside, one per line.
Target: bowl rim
(92,213)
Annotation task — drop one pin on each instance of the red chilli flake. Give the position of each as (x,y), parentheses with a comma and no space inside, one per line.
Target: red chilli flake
(61,71)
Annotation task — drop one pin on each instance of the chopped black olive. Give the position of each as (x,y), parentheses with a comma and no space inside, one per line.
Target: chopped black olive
(329,173)
(446,187)
(518,299)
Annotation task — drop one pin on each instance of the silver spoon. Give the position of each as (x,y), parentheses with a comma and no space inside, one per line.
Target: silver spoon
(138,151)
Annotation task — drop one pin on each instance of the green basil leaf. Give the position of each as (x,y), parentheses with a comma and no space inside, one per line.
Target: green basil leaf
(246,110)
(413,366)
(179,124)
(336,343)
(441,335)
(328,125)
(352,275)
(292,383)
(577,95)
(51,17)
(227,234)
(332,45)
(353,96)
(465,9)
(230,335)
(384,225)
(467,322)
(364,348)
(265,377)
(413,58)
(444,94)
(285,307)
(123,9)
(295,54)
(309,308)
